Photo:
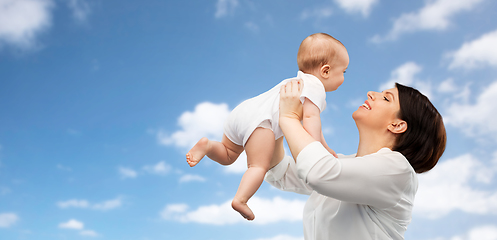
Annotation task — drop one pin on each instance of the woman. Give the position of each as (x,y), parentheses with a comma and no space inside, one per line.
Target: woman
(368,195)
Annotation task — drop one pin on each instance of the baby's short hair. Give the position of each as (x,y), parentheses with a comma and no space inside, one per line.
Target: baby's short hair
(316,50)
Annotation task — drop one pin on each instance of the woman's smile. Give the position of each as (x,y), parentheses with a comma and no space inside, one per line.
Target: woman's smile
(366,105)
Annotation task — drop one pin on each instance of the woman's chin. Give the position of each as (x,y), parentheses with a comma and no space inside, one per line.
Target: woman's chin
(357,114)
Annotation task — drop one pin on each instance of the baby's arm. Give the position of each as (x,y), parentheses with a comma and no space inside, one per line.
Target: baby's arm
(323,142)
(312,119)
(312,123)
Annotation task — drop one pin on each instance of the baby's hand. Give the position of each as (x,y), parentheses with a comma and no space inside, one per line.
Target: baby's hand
(328,148)
(332,152)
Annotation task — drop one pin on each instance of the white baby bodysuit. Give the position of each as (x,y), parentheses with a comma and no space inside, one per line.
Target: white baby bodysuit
(263,110)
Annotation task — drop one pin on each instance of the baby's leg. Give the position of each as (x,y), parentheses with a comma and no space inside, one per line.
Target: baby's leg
(225,152)
(279,152)
(259,149)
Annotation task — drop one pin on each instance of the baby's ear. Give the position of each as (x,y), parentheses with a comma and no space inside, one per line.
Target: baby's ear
(325,71)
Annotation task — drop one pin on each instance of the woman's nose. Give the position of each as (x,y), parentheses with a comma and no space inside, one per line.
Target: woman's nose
(371,95)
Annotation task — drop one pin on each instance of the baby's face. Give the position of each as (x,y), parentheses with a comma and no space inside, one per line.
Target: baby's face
(337,70)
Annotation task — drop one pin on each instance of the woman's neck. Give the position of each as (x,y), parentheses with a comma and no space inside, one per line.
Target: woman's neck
(372,142)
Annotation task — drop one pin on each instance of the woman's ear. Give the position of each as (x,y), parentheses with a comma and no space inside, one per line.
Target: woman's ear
(399,126)
(325,71)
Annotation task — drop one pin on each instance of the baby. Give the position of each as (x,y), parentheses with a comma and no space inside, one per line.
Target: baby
(253,125)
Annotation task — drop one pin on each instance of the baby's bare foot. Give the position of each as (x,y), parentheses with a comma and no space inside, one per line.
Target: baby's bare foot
(243,209)
(197,152)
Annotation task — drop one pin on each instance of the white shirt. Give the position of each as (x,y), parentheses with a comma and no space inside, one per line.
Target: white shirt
(351,198)
(249,114)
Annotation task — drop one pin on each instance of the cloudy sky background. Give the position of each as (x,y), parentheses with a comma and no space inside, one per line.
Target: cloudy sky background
(100,100)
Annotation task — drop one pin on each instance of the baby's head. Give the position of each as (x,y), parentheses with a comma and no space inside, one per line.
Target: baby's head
(324,57)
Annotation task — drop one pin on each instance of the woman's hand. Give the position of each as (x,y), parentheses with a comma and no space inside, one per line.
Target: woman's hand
(290,105)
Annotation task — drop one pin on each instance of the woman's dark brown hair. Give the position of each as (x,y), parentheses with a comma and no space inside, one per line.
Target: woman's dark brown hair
(423,143)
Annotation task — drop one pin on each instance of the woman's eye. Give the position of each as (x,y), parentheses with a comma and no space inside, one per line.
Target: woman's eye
(386,99)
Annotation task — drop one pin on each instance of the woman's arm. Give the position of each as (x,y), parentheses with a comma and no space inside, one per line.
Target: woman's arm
(290,116)
(376,180)
(284,177)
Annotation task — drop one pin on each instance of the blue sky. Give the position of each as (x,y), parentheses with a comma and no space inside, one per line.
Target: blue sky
(101,100)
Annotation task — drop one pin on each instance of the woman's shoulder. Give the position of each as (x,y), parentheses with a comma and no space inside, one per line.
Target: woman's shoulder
(393,160)
(340,155)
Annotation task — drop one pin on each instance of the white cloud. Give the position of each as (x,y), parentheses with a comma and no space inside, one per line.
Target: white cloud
(476,54)
(475,119)
(486,232)
(108,205)
(73,203)
(127,172)
(282,237)
(447,86)
(435,15)
(449,187)
(406,75)
(8,219)
(357,6)
(89,233)
(266,211)
(77,225)
(191,178)
(80,9)
(207,120)
(103,206)
(173,209)
(458,93)
(161,168)
(72,224)
(318,13)
(21,21)
(225,7)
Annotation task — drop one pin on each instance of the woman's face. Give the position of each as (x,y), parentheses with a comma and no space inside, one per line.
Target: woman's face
(379,110)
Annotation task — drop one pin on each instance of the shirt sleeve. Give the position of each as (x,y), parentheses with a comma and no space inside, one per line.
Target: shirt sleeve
(377,179)
(314,91)
(284,177)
